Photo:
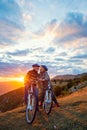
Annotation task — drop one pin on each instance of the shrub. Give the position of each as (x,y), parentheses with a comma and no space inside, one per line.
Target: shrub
(57,90)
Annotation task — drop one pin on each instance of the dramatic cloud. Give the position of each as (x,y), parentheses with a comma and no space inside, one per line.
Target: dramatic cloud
(9,33)
(80,56)
(19,53)
(13,69)
(72,28)
(45,32)
(11,24)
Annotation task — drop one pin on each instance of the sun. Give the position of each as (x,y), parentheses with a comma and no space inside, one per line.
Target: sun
(20,79)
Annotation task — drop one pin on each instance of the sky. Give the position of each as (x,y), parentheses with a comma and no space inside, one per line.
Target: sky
(48,32)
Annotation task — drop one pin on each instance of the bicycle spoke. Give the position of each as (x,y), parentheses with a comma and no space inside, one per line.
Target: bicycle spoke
(48,102)
(31,109)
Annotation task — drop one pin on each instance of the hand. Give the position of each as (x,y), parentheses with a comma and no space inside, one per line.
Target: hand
(41,80)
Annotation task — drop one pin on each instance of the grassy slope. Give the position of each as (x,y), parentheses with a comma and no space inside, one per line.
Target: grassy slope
(9,86)
(12,99)
(71,116)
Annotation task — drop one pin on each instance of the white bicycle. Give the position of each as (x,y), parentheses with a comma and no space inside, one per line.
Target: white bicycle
(31,105)
(48,102)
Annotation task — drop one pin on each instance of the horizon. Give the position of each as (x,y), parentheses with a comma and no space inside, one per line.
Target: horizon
(20,79)
(47,32)
(10,84)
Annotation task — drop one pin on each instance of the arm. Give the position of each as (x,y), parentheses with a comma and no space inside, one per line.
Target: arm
(31,77)
(26,79)
(45,77)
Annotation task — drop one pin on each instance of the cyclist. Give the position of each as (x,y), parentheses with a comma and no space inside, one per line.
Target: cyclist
(31,77)
(45,80)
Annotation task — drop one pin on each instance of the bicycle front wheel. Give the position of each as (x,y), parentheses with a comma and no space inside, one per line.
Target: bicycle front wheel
(48,102)
(31,108)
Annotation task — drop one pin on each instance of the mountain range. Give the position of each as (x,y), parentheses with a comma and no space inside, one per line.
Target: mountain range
(68,76)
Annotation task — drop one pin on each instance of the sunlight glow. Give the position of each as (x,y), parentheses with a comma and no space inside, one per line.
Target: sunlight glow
(19,79)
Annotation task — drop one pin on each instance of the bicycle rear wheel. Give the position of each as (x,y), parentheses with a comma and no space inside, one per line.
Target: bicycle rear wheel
(31,108)
(48,102)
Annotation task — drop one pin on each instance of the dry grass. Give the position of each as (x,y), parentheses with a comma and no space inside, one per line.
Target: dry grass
(72,115)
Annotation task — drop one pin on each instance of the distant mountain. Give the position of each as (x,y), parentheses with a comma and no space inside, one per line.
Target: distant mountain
(80,75)
(64,77)
(68,76)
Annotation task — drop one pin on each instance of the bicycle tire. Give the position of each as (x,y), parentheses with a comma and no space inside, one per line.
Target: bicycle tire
(46,108)
(28,111)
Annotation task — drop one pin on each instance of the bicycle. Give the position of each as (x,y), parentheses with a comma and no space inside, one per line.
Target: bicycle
(47,105)
(32,104)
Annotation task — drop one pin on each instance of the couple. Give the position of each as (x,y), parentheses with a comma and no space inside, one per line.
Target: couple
(42,78)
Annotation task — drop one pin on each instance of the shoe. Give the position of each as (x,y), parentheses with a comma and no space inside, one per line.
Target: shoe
(57,105)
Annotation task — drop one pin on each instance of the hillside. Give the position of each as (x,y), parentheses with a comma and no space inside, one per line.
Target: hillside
(68,76)
(12,99)
(9,86)
(72,115)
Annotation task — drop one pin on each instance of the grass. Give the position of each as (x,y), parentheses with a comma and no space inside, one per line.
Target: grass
(72,115)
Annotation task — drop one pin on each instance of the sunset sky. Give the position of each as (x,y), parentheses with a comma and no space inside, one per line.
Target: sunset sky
(50,32)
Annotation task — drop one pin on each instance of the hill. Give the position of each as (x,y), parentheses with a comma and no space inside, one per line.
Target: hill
(68,76)
(12,99)
(9,86)
(72,115)
(63,77)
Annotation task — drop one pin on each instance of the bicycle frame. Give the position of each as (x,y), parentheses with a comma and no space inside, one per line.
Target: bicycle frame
(29,96)
(48,96)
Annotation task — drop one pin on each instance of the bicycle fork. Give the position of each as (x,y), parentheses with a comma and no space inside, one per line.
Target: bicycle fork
(30,99)
(48,96)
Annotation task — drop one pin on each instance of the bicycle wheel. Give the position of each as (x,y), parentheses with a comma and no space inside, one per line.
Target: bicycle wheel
(31,108)
(48,102)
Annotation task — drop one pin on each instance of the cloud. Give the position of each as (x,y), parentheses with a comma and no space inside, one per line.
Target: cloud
(19,53)
(9,33)
(80,56)
(27,17)
(61,45)
(50,50)
(72,28)
(11,24)
(28,5)
(14,68)
(68,34)
(10,11)
(26,8)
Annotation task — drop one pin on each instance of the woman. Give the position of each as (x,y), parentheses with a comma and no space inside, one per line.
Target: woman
(45,80)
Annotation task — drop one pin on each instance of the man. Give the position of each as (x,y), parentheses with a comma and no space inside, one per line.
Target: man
(45,80)
(31,77)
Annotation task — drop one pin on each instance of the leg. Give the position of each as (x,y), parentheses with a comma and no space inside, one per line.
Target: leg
(55,100)
(36,95)
(43,95)
(26,93)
